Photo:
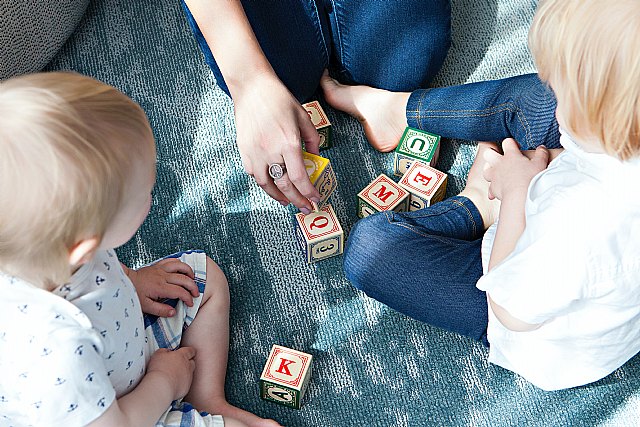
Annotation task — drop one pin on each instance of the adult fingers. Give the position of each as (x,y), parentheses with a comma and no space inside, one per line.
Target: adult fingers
(261,175)
(308,133)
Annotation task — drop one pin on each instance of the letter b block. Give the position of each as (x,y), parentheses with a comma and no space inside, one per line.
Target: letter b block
(320,234)
(321,175)
(415,145)
(382,194)
(285,376)
(425,184)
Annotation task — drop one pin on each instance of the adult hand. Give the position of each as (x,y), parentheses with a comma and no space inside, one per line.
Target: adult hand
(169,278)
(512,171)
(176,366)
(271,124)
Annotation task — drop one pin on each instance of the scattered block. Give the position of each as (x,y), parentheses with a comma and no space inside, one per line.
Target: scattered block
(320,234)
(415,145)
(321,122)
(321,175)
(382,194)
(285,376)
(426,185)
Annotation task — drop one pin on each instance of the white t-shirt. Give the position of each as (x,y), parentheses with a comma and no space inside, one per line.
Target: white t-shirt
(575,270)
(57,366)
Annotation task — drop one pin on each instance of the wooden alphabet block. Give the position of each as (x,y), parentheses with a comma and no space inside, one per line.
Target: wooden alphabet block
(382,194)
(321,122)
(285,376)
(320,234)
(425,184)
(321,175)
(414,145)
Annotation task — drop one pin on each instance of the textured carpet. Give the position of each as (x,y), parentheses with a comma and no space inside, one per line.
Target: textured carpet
(373,366)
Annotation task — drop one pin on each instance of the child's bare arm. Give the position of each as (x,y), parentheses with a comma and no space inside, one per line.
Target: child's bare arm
(169,375)
(510,175)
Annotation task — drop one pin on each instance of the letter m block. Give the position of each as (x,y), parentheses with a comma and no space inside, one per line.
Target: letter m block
(285,376)
(382,194)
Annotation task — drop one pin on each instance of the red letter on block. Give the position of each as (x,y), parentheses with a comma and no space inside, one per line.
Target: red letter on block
(380,194)
(423,179)
(283,369)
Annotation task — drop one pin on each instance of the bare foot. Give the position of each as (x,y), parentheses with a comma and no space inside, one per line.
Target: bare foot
(382,113)
(235,416)
(477,188)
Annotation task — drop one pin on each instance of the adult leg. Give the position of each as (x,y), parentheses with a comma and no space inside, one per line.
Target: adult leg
(396,45)
(292,35)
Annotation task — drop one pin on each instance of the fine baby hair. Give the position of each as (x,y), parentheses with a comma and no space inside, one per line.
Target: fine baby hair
(587,50)
(67,146)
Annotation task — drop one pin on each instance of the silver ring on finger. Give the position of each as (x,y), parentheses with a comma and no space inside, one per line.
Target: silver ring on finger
(277,170)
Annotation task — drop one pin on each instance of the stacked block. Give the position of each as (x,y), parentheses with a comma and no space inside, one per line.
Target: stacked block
(285,376)
(321,175)
(382,194)
(415,145)
(321,123)
(425,185)
(320,234)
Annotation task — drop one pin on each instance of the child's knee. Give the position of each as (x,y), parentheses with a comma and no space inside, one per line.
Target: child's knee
(217,286)
(365,253)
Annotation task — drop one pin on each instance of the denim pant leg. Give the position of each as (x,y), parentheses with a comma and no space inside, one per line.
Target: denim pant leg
(293,35)
(397,45)
(424,264)
(520,107)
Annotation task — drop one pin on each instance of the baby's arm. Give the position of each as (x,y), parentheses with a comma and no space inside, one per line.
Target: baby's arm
(169,278)
(510,175)
(168,377)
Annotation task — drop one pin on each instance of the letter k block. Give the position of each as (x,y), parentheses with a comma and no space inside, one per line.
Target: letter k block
(285,376)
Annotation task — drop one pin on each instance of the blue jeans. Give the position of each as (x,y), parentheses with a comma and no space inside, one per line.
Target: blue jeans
(424,264)
(520,107)
(396,45)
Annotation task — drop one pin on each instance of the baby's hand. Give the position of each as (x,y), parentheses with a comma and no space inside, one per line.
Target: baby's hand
(177,366)
(512,172)
(169,278)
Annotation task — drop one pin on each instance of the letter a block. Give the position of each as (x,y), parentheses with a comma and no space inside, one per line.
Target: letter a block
(415,145)
(321,175)
(425,184)
(320,234)
(321,122)
(285,376)
(382,194)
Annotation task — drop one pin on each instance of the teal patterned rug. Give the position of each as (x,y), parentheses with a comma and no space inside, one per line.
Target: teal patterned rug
(373,366)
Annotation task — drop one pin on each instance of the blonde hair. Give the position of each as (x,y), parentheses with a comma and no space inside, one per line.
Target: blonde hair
(68,144)
(588,51)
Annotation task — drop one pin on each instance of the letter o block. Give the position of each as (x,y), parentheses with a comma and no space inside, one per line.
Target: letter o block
(415,144)
(285,376)
(321,175)
(320,234)
(382,194)
(425,184)
(321,122)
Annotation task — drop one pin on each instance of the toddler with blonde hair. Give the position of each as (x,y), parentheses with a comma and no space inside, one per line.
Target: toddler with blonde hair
(77,167)
(553,286)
